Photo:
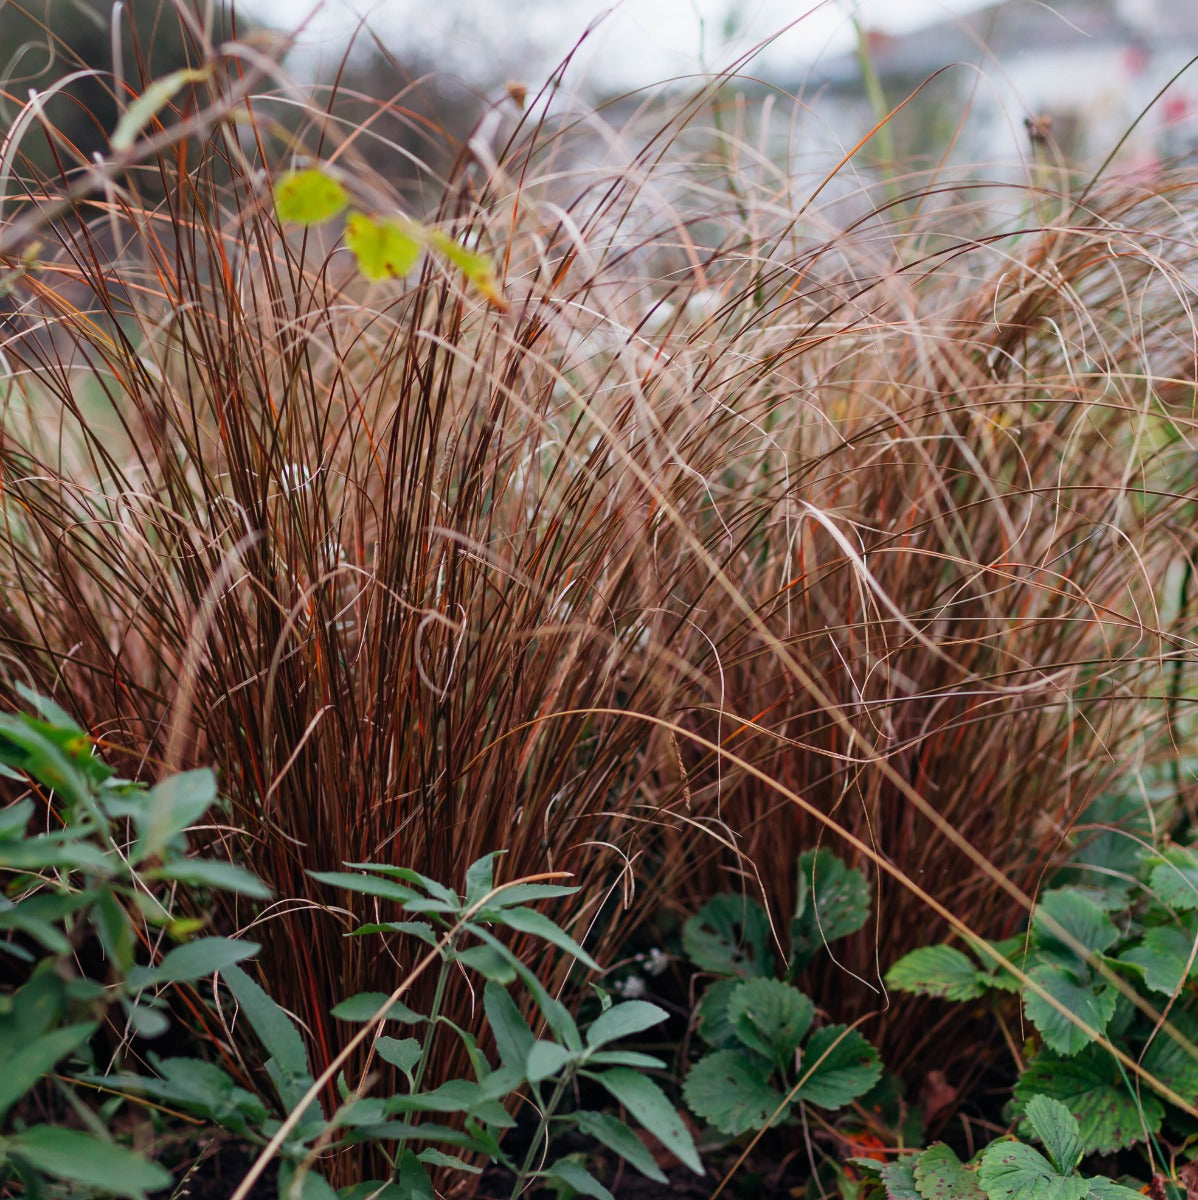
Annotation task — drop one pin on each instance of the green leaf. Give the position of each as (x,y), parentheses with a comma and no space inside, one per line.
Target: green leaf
(611,1132)
(649,1105)
(84,1159)
(403,1053)
(195,960)
(711,1016)
(513,1037)
(1102,1188)
(838,1066)
(480,877)
(732,1090)
(220,876)
(414,1183)
(383,247)
(364,1005)
(1079,916)
(898,1178)
(312,1186)
(524,893)
(370,885)
(940,1175)
(1165,956)
(27,1061)
(770,1017)
(1091,1088)
(574,1175)
(1172,1062)
(623,1058)
(15,818)
(528,920)
(490,963)
(546,1059)
(309,197)
(833,901)
(172,806)
(1174,877)
(942,971)
(624,1020)
(54,850)
(1093,1001)
(478,270)
(729,935)
(1055,1127)
(438,1158)
(279,1035)
(373,1189)
(151,102)
(1013,1171)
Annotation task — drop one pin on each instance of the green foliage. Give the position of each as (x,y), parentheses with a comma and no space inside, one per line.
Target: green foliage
(86,881)
(764,1058)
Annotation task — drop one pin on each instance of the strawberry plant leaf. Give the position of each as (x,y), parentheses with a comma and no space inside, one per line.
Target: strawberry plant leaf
(1013,1171)
(838,1066)
(940,1175)
(1078,915)
(770,1017)
(898,1178)
(1165,955)
(1174,877)
(1057,1130)
(833,901)
(729,935)
(942,971)
(1092,1001)
(732,1090)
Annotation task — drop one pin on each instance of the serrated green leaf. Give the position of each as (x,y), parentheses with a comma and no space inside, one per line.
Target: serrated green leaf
(611,1132)
(1091,1000)
(1166,956)
(309,197)
(833,901)
(1013,1171)
(770,1017)
(1089,1084)
(1078,916)
(650,1106)
(940,1175)
(1174,877)
(838,1065)
(941,971)
(1054,1126)
(730,935)
(711,1015)
(733,1090)
(624,1020)
(898,1178)
(1102,1188)
(383,248)
(84,1159)
(1175,1062)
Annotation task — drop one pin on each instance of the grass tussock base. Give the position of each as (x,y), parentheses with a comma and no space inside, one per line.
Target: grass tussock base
(754,520)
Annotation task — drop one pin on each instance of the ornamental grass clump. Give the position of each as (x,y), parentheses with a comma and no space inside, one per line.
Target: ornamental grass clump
(738,520)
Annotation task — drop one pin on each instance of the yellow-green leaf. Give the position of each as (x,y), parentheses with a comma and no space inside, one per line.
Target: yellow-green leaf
(151,102)
(309,197)
(384,247)
(478,270)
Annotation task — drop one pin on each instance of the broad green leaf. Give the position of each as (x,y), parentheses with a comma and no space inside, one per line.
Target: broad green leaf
(277,1032)
(458,1095)
(59,758)
(1055,1127)
(312,1186)
(54,850)
(407,875)
(649,1105)
(172,806)
(1092,1001)
(942,971)
(513,1037)
(525,893)
(114,931)
(611,1132)
(729,935)
(528,920)
(365,1005)
(1102,1188)
(1013,1171)
(403,1053)
(1166,957)
(195,960)
(84,1159)
(576,1177)
(624,1058)
(940,1175)
(833,901)
(624,1020)
(414,1183)
(490,963)
(370,885)
(27,1061)
(1108,1113)
(898,1178)
(383,247)
(220,876)
(480,877)
(1175,1062)
(770,1017)
(1079,916)
(1174,878)
(711,1016)
(309,197)
(15,818)
(151,102)
(438,1158)
(546,1059)
(838,1065)
(733,1090)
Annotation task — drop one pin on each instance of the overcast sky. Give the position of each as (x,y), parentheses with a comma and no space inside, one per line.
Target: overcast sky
(639,42)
